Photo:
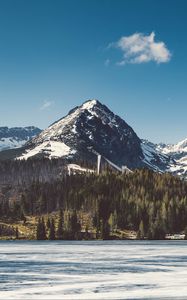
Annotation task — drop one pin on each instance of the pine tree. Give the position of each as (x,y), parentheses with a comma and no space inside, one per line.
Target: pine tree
(17,233)
(105,230)
(59,233)
(141,233)
(52,230)
(38,230)
(44,237)
(48,224)
(41,231)
(74,225)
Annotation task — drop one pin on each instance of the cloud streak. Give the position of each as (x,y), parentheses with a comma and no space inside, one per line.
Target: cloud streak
(139,48)
(107,62)
(46,104)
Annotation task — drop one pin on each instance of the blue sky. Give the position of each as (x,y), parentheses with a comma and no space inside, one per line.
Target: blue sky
(129,54)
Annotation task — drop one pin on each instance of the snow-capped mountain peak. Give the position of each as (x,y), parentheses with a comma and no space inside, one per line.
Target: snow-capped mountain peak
(182,146)
(88,129)
(178,152)
(89,104)
(93,128)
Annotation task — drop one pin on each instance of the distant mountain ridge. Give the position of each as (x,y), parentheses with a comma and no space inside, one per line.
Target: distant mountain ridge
(91,129)
(16,137)
(178,152)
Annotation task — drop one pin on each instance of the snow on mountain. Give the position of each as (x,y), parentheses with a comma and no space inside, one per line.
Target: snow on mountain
(10,143)
(156,159)
(16,137)
(178,152)
(180,147)
(173,158)
(92,129)
(89,129)
(52,149)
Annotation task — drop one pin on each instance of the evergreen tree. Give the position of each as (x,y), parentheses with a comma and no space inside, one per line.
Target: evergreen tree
(105,230)
(48,224)
(38,230)
(74,225)
(59,233)
(141,233)
(44,237)
(52,230)
(17,233)
(41,231)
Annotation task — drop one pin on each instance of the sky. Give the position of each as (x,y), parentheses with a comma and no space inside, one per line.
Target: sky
(129,54)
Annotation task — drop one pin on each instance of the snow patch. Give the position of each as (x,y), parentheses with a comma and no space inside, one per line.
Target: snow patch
(57,128)
(53,149)
(78,168)
(152,154)
(74,129)
(89,104)
(177,148)
(179,154)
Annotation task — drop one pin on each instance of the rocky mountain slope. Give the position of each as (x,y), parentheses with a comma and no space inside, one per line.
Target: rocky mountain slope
(178,153)
(155,158)
(16,137)
(90,129)
(86,130)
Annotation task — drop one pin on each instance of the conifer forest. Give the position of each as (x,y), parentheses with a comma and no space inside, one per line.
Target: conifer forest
(41,193)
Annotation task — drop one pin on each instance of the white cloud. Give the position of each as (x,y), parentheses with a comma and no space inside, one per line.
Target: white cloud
(139,48)
(46,104)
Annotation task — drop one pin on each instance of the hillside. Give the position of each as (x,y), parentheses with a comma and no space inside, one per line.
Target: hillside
(145,202)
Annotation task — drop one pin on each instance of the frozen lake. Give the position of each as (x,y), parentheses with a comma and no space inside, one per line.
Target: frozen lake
(93,270)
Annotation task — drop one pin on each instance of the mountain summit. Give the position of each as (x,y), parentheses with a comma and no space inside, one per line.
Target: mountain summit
(92,129)
(88,129)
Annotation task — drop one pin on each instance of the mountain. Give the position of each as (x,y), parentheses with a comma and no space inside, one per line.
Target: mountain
(173,156)
(11,138)
(88,129)
(92,129)
(178,153)
(156,159)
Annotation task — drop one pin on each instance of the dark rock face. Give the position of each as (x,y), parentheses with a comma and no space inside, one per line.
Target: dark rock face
(107,134)
(93,128)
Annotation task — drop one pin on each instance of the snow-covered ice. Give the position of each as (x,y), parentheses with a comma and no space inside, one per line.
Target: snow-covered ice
(93,270)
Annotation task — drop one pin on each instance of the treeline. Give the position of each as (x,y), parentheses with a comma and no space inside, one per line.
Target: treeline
(24,172)
(152,204)
(6,230)
(67,227)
